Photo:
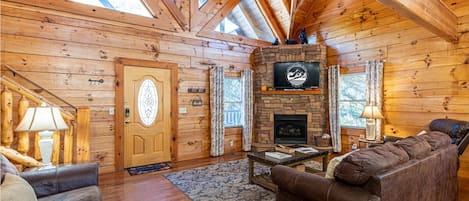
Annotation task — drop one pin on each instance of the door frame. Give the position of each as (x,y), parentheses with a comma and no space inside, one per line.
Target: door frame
(119,104)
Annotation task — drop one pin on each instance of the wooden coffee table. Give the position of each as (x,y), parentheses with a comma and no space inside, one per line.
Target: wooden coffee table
(297,158)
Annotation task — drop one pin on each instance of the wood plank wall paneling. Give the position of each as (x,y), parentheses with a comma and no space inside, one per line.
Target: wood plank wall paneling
(425,77)
(61,51)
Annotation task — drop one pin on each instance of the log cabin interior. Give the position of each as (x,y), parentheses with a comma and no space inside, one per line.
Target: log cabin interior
(184,93)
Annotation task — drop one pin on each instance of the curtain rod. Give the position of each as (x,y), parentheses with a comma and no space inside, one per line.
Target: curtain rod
(359,63)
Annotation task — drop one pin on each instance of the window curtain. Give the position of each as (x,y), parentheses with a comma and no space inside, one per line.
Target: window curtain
(374,92)
(217,133)
(248,110)
(333,81)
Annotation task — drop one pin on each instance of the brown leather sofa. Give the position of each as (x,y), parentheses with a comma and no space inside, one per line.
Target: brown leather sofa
(67,183)
(412,169)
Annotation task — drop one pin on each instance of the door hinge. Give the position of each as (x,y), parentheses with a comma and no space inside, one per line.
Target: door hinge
(170,114)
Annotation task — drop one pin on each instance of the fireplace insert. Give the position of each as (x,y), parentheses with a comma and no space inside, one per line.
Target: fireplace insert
(290,129)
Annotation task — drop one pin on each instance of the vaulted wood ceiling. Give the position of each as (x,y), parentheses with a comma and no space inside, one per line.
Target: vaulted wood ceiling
(285,18)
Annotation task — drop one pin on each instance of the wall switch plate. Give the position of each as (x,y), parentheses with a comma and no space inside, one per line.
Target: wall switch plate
(231,143)
(112,111)
(182,110)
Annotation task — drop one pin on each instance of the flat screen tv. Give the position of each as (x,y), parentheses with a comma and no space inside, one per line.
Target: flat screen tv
(296,75)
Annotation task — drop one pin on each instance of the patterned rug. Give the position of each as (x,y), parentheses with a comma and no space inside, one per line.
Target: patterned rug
(221,182)
(148,168)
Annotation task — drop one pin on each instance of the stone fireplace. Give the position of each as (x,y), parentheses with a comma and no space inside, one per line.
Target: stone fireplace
(268,105)
(290,129)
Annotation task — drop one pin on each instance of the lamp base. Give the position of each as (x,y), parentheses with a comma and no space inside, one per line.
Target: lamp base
(370,129)
(45,146)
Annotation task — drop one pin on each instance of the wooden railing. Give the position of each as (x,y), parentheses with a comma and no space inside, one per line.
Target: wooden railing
(64,150)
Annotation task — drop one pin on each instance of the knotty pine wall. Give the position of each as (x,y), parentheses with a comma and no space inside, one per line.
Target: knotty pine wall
(61,51)
(425,77)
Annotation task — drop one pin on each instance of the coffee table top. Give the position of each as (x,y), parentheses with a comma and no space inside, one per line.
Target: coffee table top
(296,157)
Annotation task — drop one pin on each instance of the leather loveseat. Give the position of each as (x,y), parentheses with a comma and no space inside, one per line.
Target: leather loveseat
(412,169)
(77,182)
(68,183)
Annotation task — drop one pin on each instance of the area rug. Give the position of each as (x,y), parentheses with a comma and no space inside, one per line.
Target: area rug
(148,168)
(221,182)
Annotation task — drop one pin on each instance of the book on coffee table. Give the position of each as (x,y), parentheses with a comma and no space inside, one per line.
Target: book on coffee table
(277,155)
(306,150)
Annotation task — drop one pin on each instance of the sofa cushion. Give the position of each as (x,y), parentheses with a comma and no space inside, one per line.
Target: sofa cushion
(6,167)
(90,193)
(436,139)
(415,146)
(357,168)
(15,188)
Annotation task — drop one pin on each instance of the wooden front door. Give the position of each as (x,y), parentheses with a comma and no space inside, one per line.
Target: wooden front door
(147,115)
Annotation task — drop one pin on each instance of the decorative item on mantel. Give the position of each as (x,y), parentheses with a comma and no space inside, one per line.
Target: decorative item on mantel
(290,41)
(276,42)
(371,113)
(303,37)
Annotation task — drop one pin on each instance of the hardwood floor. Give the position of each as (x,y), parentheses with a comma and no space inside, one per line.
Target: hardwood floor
(154,186)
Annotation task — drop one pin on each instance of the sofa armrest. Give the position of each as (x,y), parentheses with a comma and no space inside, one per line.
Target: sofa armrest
(316,188)
(305,185)
(63,178)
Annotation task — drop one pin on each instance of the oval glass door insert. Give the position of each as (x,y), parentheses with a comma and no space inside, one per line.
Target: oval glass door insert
(147,102)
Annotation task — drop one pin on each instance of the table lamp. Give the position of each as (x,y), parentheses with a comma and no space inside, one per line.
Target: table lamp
(371,113)
(46,120)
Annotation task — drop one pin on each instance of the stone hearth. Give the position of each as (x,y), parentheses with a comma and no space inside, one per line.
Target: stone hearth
(266,105)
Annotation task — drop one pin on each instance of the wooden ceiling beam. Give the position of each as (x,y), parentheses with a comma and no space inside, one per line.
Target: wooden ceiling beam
(102,13)
(287,5)
(295,6)
(221,14)
(433,15)
(271,20)
(153,7)
(177,14)
(200,17)
(208,30)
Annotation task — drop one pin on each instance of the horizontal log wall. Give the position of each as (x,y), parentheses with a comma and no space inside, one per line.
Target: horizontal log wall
(425,77)
(61,51)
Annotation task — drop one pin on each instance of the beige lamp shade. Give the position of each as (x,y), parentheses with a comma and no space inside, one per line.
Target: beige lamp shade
(371,112)
(42,118)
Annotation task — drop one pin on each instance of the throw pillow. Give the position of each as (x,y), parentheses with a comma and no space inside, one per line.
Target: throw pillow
(415,146)
(15,188)
(6,167)
(436,139)
(333,163)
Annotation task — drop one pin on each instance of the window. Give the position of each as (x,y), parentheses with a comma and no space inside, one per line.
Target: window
(202,3)
(233,101)
(129,6)
(352,99)
(246,20)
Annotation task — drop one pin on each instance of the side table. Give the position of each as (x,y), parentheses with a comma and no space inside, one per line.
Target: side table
(369,142)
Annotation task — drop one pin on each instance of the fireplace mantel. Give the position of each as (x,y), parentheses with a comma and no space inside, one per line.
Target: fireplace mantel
(308,102)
